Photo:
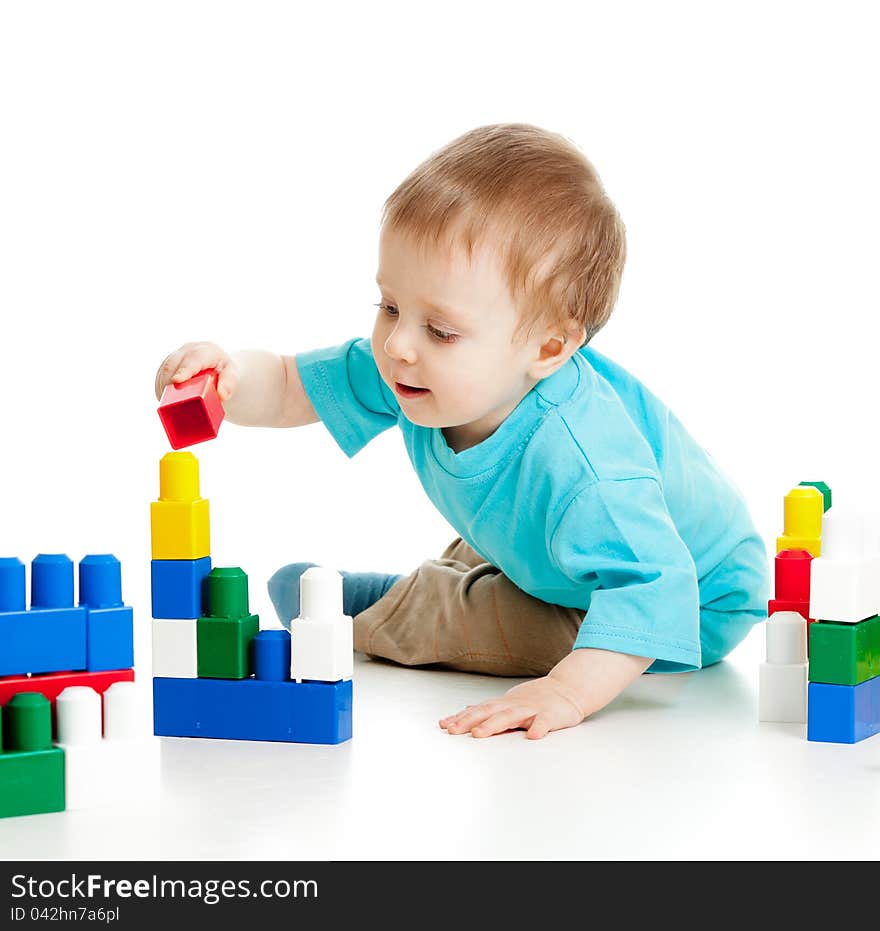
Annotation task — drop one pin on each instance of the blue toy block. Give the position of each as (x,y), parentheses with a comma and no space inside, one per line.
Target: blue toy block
(253,709)
(177,586)
(42,640)
(51,581)
(51,637)
(11,584)
(271,655)
(843,713)
(110,638)
(109,625)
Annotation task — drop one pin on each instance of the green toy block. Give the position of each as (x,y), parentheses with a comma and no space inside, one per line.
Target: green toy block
(844,654)
(225,593)
(31,783)
(826,493)
(223,645)
(28,722)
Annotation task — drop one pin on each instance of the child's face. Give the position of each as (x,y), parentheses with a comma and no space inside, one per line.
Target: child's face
(443,340)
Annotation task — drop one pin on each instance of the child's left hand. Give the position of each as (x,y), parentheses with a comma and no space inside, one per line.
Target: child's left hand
(539,706)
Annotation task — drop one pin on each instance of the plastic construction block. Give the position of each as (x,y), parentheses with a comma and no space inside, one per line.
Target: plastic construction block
(225,593)
(225,631)
(845,590)
(782,692)
(826,492)
(845,581)
(31,783)
(224,646)
(775,605)
(110,623)
(845,654)
(252,709)
(117,764)
(31,771)
(53,684)
(175,647)
(843,713)
(786,636)
(792,575)
(191,411)
(176,586)
(271,655)
(322,637)
(802,512)
(51,636)
(179,520)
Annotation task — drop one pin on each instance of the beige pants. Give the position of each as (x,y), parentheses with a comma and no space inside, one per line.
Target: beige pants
(462,613)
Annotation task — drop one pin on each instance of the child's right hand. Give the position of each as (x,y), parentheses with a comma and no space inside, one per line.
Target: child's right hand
(193,358)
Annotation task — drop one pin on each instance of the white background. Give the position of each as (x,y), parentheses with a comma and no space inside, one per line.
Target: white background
(172,171)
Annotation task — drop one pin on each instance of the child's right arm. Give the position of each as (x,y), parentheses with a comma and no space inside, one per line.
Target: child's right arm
(257,388)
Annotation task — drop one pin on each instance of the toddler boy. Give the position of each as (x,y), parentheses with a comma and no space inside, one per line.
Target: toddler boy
(597,539)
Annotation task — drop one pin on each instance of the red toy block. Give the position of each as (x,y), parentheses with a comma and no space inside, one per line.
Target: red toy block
(53,684)
(793,575)
(790,604)
(191,411)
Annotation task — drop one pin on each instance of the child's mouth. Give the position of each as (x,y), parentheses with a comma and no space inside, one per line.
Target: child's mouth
(408,391)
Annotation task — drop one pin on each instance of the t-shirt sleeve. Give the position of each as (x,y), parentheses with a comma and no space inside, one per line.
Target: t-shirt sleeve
(618,539)
(348,393)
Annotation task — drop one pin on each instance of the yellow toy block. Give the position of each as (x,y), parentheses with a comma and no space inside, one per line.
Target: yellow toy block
(802,515)
(813,545)
(179,521)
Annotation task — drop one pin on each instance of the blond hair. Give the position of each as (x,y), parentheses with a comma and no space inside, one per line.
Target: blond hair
(562,243)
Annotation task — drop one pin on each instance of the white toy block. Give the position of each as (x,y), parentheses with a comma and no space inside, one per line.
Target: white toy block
(782,693)
(322,637)
(78,715)
(843,535)
(844,590)
(175,652)
(844,580)
(124,765)
(786,638)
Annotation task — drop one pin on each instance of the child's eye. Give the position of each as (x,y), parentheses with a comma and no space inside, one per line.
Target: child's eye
(442,335)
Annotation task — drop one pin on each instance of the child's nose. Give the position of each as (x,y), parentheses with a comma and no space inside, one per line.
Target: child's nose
(399,346)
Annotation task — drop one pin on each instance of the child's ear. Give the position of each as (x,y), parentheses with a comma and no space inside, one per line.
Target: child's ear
(558,345)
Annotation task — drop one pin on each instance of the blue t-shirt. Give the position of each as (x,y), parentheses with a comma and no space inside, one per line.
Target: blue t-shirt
(591,495)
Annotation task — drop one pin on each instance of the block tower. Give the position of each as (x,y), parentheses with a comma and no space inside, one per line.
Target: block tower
(782,682)
(844,674)
(49,653)
(215,673)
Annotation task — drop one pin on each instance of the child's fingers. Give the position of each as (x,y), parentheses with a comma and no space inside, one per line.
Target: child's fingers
(454,717)
(505,720)
(475,715)
(193,358)
(167,369)
(227,380)
(197,358)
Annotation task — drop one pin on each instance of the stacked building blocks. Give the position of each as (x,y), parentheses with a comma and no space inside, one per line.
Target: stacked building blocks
(54,635)
(191,411)
(844,670)
(54,650)
(782,679)
(215,673)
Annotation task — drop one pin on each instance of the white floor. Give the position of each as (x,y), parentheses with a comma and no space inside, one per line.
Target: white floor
(678,768)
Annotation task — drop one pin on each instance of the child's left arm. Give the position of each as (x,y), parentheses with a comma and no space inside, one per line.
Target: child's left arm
(576,687)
